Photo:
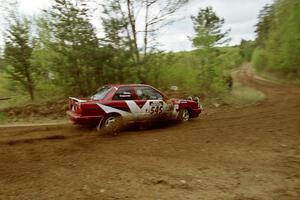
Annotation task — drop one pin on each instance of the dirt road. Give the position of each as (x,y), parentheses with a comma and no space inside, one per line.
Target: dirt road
(241,154)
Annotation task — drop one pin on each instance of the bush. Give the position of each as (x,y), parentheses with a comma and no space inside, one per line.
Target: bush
(260,60)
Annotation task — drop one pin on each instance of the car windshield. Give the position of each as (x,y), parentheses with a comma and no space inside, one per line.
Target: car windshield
(101,93)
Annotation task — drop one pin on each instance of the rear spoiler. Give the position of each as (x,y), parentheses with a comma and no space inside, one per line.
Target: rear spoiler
(78,100)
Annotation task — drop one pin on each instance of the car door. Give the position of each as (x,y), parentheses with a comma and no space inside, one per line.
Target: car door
(118,103)
(149,101)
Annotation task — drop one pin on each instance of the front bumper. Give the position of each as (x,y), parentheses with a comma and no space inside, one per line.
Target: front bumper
(78,119)
(195,112)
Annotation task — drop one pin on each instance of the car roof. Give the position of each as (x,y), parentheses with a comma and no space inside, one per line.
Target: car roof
(117,86)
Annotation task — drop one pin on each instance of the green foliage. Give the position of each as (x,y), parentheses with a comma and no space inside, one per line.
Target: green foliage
(208,27)
(247,49)
(260,59)
(2,117)
(242,95)
(183,70)
(132,26)
(279,37)
(263,27)
(67,57)
(230,57)
(17,54)
(166,70)
(69,44)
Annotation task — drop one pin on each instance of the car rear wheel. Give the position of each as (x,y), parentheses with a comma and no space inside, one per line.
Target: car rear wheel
(109,121)
(183,115)
(111,124)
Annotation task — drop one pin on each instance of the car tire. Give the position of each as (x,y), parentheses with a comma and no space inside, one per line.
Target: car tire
(110,124)
(183,115)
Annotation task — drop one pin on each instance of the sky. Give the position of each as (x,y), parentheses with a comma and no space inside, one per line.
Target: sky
(240,16)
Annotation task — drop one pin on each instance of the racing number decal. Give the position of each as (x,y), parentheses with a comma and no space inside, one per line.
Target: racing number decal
(156,107)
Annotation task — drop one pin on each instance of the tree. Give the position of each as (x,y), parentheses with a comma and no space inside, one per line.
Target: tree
(132,25)
(74,45)
(278,39)
(263,26)
(208,28)
(246,49)
(209,35)
(17,54)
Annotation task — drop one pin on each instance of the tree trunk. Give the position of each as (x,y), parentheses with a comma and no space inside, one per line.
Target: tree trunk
(29,83)
(31,92)
(146,28)
(133,29)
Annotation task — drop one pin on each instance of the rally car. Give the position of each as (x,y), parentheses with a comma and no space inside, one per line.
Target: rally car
(133,102)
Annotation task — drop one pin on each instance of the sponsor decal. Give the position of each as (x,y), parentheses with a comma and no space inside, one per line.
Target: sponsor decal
(109,109)
(150,107)
(156,107)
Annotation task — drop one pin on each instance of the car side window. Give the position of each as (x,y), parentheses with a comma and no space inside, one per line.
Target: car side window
(123,93)
(147,93)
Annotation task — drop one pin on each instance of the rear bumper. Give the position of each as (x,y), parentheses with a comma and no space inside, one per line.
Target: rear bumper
(78,119)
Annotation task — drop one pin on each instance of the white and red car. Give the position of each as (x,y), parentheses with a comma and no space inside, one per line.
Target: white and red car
(135,102)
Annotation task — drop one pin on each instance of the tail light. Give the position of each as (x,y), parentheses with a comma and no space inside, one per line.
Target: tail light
(78,109)
(70,104)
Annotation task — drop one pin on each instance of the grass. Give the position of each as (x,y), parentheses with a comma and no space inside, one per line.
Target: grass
(244,95)
(19,108)
(7,90)
(18,97)
(2,117)
(15,101)
(278,78)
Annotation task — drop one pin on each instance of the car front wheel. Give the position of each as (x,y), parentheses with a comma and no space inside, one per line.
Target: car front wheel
(183,115)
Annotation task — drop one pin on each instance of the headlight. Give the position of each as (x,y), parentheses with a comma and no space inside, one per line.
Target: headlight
(200,106)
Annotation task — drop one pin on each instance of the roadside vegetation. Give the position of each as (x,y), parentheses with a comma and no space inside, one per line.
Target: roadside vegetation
(64,56)
(60,53)
(277,51)
(242,95)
